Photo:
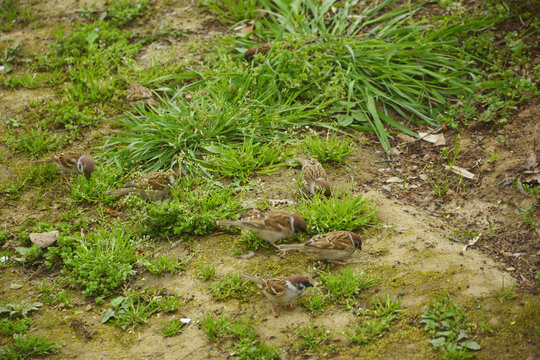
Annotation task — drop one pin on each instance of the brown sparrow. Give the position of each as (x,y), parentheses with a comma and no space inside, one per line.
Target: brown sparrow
(153,186)
(281,290)
(332,247)
(71,162)
(314,177)
(272,226)
(250,53)
(137,92)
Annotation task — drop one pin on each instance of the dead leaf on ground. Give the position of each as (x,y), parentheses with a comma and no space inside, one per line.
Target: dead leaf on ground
(248,29)
(137,92)
(392,180)
(45,239)
(460,171)
(435,139)
(530,162)
(261,49)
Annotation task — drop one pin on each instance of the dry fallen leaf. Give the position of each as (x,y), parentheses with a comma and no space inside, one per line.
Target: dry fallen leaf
(394,179)
(137,92)
(436,139)
(45,239)
(460,171)
(248,29)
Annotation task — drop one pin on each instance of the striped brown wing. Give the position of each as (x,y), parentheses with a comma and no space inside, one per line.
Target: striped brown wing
(338,240)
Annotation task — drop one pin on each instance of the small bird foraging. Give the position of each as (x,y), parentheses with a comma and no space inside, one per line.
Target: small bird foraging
(71,162)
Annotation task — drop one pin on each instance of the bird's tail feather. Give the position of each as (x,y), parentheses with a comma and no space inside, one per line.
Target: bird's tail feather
(287,247)
(228,222)
(120,192)
(252,278)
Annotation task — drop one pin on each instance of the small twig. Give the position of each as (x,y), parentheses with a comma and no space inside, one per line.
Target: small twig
(436,130)
(385,161)
(57,131)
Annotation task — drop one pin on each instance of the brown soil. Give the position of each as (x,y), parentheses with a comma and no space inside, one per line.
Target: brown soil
(415,254)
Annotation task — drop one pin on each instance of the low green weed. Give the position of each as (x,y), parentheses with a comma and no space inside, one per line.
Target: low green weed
(9,326)
(240,162)
(439,185)
(19,310)
(163,264)
(505,293)
(252,241)
(29,346)
(172,327)
(243,331)
(312,337)
(231,286)
(206,272)
(346,283)
(331,149)
(191,212)
(100,262)
(315,301)
(376,321)
(54,294)
(447,324)
(93,190)
(345,211)
(231,11)
(136,307)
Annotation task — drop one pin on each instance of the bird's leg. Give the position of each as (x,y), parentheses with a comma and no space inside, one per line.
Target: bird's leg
(291,306)
(276,314)
(338,262)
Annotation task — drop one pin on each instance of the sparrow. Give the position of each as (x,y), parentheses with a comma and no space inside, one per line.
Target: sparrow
(153,186)
(250,53)
(281,290)
(333,247)
(314,177)
(272,226)
(71,162)
(137,92)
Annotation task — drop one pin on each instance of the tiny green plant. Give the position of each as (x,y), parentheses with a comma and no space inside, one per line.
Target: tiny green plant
(213,326)
(242,161)
(9,326)
(345,211)
(331,149)
(439,185)
(231,11)
(312,337)
(54,295)
(376,320)
(206,272)
(346,283)
(165,264)
(315,301)
(505,293)
(136,307)
(29,346)
(446,322)
(173,327)
(252,241)
(19,310)
(231,286)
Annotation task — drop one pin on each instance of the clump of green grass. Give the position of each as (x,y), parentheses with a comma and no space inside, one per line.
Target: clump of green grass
(99,263)
(163,264)
(243,331)
(29,346)
(19,310)
(252,241)
(172,327)
(93,190)
(10,326)
(447,324)
(505,293)
(136,307)
(345,211)
(206,272)
(54,294)
(375,321)
(315,301)
(231,11)
(312,337)
(240,162)
(346,283)
(190,211)
(231,286)
(331,149)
